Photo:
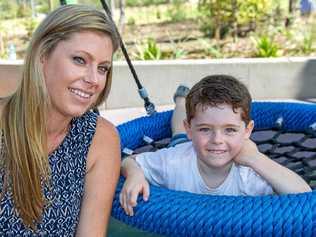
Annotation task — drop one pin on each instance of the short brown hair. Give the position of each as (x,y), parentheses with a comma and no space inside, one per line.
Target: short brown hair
(219,89)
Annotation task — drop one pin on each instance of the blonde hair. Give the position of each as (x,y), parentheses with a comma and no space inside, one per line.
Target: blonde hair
(23,122)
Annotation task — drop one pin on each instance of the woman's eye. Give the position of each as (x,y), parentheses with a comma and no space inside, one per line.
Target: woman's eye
(103,69)
(79,60)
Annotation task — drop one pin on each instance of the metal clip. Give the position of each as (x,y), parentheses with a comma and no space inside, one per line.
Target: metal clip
(279,122)
(127,151)
(148,140)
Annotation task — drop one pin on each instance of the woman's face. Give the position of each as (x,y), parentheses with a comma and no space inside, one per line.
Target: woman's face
(75,72)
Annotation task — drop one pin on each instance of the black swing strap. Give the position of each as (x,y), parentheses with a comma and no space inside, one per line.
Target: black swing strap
(149,106)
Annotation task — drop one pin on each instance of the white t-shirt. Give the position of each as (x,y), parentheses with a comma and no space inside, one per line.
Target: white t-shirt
(176,168)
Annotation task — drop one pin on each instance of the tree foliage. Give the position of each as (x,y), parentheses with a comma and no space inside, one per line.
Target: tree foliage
(8,9)
(219,16)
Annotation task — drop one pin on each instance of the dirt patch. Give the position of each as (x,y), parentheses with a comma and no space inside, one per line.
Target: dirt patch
(187,37)
(163,32)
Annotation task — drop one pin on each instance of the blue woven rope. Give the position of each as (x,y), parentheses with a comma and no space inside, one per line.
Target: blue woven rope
(175,213)
(296,116)
(156,127)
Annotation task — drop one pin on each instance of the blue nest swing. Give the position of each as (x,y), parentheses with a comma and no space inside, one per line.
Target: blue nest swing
(286,132)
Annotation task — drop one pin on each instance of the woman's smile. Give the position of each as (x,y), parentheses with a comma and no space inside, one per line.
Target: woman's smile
(80,93)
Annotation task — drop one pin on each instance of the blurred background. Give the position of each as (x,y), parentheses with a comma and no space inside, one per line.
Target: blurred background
(183,29)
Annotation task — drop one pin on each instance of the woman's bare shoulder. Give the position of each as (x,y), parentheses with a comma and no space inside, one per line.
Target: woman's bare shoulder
(105,145)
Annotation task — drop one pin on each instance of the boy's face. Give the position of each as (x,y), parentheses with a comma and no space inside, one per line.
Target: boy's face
(217,134)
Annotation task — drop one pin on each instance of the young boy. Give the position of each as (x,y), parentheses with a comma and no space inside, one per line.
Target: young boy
(220,159)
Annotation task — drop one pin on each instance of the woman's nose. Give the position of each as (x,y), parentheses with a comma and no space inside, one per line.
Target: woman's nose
(92,76)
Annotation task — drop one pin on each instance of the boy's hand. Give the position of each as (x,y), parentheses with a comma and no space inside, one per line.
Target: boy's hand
(133,185)
(281,179)
(248,152)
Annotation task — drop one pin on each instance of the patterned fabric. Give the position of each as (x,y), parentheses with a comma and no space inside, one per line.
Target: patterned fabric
(68,167)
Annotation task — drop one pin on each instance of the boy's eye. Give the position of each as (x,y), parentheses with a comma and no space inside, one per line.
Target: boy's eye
(103,69)
(204,129)
(230,130)
(79,60)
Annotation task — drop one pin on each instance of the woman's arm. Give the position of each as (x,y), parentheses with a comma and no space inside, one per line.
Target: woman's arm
(103,168)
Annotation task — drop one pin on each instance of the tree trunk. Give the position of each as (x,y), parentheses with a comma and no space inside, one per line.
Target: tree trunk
(111,5)
(291,6)
(288,19)
(215,11)
(50,5)
(1,45)
(234,19)
(122,16)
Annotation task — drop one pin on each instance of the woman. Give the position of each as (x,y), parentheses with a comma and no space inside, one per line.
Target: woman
(67,72)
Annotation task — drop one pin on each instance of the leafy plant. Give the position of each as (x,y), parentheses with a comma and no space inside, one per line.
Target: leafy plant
(265,47)
(307,46)
(211,50)
(131,21)
(149,51)
(178,53)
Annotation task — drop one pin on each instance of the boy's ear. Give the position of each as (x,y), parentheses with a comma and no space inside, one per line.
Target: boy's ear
(187,127)
(249,128)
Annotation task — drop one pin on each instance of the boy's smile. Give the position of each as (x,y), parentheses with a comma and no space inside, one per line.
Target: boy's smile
(217,134)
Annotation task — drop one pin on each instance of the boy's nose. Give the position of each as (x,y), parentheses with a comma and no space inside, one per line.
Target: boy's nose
(217,137)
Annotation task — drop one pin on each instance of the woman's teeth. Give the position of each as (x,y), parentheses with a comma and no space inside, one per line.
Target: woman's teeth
(81,93)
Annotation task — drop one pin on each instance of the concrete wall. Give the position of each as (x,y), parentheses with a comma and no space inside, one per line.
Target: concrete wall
(280,78)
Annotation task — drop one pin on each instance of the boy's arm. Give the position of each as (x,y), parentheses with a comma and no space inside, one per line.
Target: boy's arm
(281,179)
(134,184)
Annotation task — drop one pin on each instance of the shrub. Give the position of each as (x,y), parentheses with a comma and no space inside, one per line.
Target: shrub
(30,24)
(8,9)
(131,21)
(211,50)
(265,47)
(148,51)
(24,10)
(217,16)
(176,12)
(307,45)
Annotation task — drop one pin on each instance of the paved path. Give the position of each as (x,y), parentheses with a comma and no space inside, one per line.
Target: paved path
(118,116)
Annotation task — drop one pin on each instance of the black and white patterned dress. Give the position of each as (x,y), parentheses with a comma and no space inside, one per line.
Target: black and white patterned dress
(68,168)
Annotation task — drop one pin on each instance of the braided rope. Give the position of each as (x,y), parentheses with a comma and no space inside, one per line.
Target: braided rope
(175,213)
